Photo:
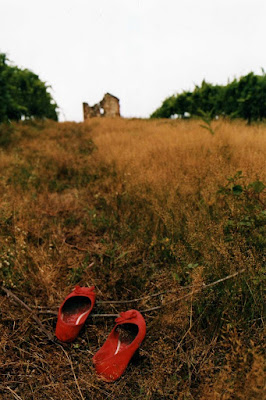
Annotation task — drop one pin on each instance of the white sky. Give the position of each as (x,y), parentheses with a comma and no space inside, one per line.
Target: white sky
(142,51)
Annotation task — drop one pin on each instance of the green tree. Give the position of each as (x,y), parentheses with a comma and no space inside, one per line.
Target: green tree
(23,94)
(166,110)
(244,98)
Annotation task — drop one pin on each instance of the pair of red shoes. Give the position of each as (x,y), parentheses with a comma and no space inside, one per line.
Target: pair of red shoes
(125,338)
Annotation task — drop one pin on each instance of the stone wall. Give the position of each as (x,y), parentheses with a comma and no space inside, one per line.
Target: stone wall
(107,107)
(89,112)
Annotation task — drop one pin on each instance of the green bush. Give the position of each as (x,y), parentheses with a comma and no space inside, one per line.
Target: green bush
(23,95)
(244,98)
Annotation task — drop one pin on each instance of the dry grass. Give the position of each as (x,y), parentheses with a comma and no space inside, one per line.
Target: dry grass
(141,200)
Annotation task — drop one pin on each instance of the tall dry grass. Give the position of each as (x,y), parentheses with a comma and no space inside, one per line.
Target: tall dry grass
(158,206)
(172,154)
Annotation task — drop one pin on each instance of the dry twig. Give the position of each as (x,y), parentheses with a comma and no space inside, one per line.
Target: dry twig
(197,287)
(73,371)
(16,396)
(201,287)
(36,319)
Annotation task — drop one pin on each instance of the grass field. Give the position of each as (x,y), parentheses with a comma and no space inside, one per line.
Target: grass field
(136,208)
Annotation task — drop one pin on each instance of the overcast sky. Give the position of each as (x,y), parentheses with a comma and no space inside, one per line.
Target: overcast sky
(142,51)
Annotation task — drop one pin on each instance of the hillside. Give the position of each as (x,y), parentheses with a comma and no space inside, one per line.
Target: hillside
(154,209)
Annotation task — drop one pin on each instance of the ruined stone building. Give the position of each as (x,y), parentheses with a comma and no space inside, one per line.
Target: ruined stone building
(108,107)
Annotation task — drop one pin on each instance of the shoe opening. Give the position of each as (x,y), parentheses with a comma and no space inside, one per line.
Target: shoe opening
(126,334)
(75,308)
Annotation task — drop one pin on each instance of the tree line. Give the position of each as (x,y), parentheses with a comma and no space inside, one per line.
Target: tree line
(242,98)
(23,95)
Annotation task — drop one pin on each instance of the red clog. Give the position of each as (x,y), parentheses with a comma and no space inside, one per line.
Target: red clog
(125,338)
(73,313)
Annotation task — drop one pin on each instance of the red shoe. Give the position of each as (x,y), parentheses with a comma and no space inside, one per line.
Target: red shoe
(125,338)
(73,313)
